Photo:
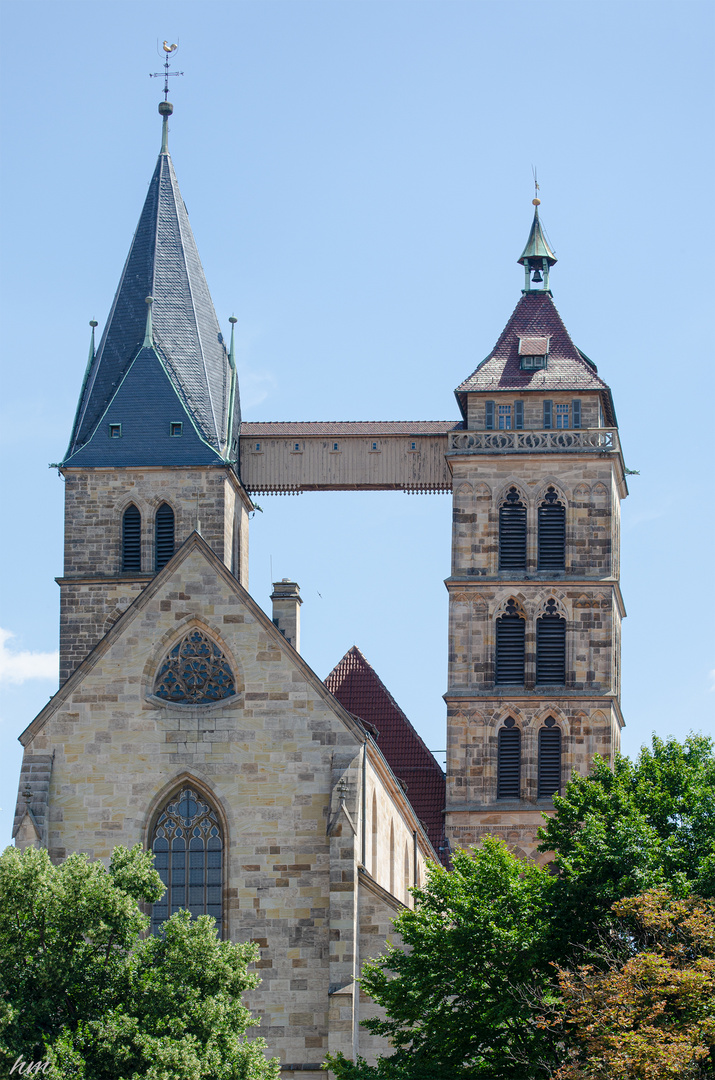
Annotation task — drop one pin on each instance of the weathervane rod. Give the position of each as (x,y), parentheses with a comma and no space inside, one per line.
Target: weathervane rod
(169,50)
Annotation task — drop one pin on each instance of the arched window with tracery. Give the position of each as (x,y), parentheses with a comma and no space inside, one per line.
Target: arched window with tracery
(196,672)
(512,532)
(188,846)
(552,532)
(164,536)
(131,541)
(509,761)
(551,647)
(510,647)
(549,765)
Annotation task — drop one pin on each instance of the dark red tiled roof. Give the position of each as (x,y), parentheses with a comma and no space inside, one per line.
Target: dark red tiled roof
(359,689)
(534,316)
(348,427)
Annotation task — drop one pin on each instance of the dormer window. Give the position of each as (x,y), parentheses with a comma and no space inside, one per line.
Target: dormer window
(533,352)
(115,431)
(176,429)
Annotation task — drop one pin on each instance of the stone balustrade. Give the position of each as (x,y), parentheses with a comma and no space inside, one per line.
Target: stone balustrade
(593,440)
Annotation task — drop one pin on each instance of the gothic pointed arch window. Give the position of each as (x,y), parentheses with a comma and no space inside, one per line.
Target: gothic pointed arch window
(131,540)
(549,764)
(512,532)
(509,760)
(164,536)
(552,532)
(195,672)
(551,647)
(510,647)
(188,846)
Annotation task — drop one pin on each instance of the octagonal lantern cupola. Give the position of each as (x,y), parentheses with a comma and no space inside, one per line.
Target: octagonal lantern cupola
(537,257)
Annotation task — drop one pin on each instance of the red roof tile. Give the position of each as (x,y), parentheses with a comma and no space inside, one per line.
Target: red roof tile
(568,369)
(251,429)
(359,689)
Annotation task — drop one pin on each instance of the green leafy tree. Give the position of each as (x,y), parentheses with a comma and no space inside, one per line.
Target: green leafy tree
(647,1011)
(86,992)
(452,994)
(619,832)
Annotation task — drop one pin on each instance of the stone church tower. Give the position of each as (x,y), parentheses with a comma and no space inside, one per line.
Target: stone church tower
(300,812)
(535,605)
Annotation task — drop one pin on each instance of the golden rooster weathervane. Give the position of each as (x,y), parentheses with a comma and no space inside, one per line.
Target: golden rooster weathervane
(169,50)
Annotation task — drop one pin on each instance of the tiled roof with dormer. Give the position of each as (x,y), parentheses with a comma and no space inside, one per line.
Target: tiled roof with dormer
(535,316)
(359,689)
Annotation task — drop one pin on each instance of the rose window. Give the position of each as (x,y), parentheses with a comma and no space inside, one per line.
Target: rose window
(195,672)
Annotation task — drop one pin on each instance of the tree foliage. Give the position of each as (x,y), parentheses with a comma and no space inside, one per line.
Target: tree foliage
(474,935)
(648,1011)
(84,990)
(636,826)
(466,995)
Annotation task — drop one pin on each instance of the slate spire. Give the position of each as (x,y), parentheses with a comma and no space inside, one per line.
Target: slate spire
(163,263)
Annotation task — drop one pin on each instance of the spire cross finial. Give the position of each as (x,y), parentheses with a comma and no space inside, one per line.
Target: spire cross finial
(169,50)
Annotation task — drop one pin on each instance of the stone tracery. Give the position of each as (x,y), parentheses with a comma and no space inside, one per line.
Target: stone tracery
(195,672)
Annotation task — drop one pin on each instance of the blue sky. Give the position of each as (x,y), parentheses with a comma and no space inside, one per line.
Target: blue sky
(358,178)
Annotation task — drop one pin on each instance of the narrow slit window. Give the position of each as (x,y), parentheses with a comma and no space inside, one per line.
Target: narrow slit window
(549,765)
(551,647)
(131,541)
(512,532)
(552,532)
(509,761)
(164,535)
(510,647)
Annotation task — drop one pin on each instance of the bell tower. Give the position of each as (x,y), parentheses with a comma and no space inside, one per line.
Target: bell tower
(153,453)
(535,605)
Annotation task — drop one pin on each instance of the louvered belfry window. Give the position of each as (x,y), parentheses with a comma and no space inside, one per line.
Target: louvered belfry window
(552,532)
(510,641)
(509,761)
(131,541)
(549,767)
(164,535)
(188,854)
(512,532)
(551,647)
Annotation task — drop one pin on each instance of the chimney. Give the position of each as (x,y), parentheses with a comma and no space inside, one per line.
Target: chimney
(286,610)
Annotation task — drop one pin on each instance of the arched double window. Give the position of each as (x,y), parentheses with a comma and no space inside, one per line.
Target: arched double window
(552,532)
(510,645)
(131,540)
(196,672)
(509,761)
(551,647)
(549,765)
(188,845)
(164,536)
(512,532)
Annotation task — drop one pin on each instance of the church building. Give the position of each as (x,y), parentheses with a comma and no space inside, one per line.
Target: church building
(300,812)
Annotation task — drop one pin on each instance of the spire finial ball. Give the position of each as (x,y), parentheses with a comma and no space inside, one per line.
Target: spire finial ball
(149,300)
(93,323)
(536,202)
(233,319)
(165,108)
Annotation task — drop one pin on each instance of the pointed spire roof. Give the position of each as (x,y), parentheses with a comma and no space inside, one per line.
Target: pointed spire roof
(537,246)
(164,264)
(359,689)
